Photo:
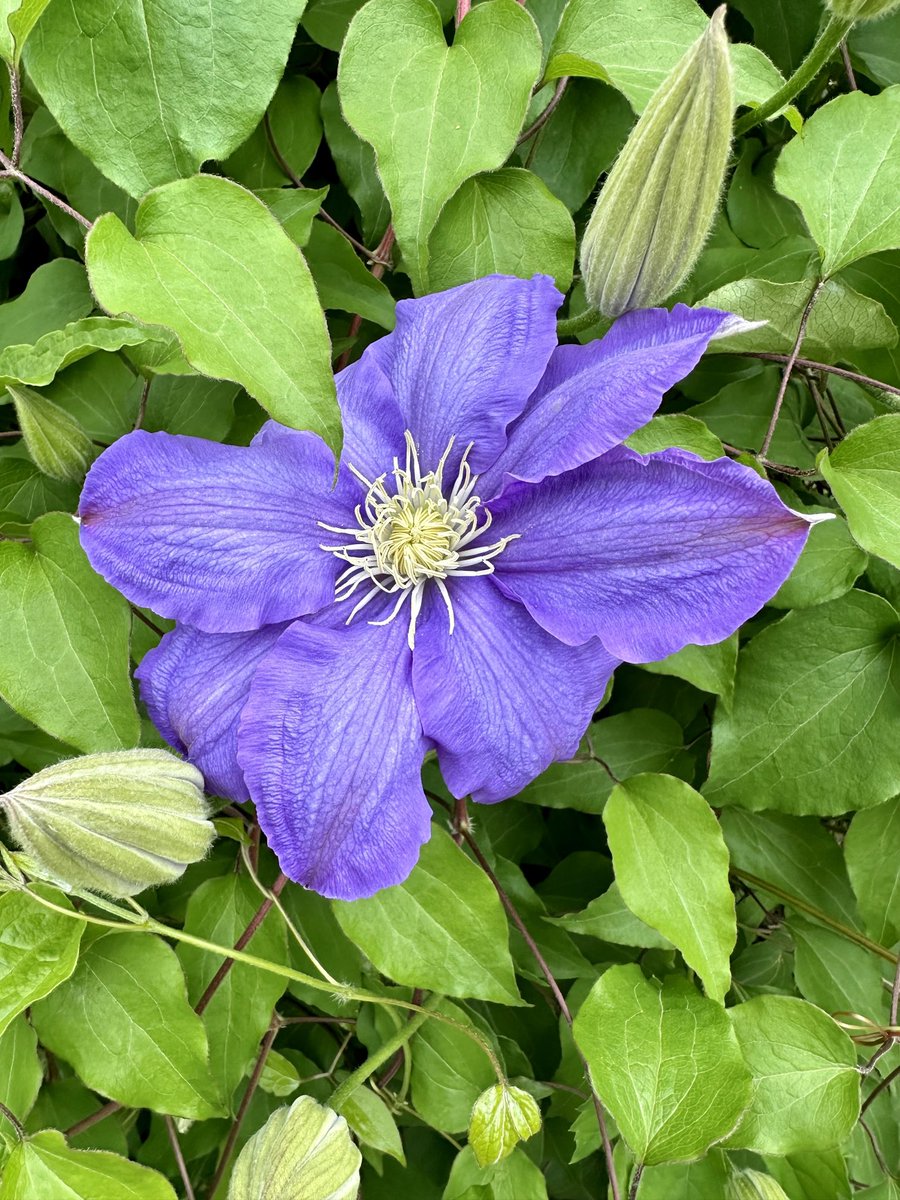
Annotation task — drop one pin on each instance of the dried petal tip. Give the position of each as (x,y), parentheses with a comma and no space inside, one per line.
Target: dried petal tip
(753,1185)
(658,204)
(114,823)
(862,10)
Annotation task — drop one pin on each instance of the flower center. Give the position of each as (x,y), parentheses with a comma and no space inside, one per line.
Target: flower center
(409,532)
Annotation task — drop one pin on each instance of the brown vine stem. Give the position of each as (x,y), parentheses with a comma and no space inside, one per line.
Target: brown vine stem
(543,117)
(11,171)
(179,1158)
(249,1091)
(255,921)
(15,103)
(382,255)
(142,404)
(462,825)
(146,620)
(215,983)
(848,66)
(890,1036)
(882,1087)
(788,368)
(807,363)
(298,183)
(635,1181)
(14,1121)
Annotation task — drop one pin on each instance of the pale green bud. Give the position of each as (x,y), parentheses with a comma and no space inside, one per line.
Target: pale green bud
(862,10)
(656,209)
(57,444)
(114,823)
(753,1185)
(501,1117)
(304,1152)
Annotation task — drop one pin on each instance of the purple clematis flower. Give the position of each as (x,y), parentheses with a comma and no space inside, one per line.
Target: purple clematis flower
(490,553)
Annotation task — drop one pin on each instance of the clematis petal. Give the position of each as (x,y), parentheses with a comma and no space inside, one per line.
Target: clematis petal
(372,420)
(462,363)
(331,747)
(500,697)
(646,553)
(221,537)
(194,685)
(592,397)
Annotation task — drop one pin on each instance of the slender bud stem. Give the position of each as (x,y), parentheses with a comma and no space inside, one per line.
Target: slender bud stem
(829,42)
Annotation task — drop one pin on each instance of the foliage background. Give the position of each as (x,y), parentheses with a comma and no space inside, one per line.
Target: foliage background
(583,897)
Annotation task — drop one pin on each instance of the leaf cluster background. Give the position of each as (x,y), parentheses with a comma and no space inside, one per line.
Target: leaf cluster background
(683,943)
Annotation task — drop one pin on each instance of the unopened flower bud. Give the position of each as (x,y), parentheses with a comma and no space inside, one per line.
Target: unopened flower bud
(753,1185)
(114,823)
(657,206)
(57,444)
(862,10)
(304,1152)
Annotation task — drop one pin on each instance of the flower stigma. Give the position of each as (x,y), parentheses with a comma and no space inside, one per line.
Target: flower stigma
(412,534)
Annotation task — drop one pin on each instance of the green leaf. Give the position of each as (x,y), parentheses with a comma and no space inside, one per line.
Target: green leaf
(805,1083)
(629,743)
(876,45)
(710,668)
(444,929)
(38,950)
(841,319)
(818,1175)
(784,744)
(675,429)
(66,1101)
(124,1023)
(26,492)
(870,854)
(21,1073)
(240,1011)
(515,1178)
(611,920)
(56,294)
(355,162)
(686,1181)
(502,1117)
(342,280)
(758,214)
(44,1166)
(634,47)
(671,866)
(583,137)
(557,949)
(406,93)
(449,1071)
(12,220)
(296,129)
(506,222)
(784,29)
(837,975)
(829,565)
(57,444)
(795,853)
(279,1075)
(302,1153)
(863,471)
(665,1062)
(370,1119)
(295,209)
(844,172)
(210,262)
(17,19)
(38,364)
(64,661)
(118,87)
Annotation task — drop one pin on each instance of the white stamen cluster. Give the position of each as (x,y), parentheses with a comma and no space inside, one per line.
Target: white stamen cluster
(412,535)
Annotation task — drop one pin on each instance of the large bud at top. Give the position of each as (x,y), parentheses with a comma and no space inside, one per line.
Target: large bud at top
(656,208)
(862,10)
(753,1185)
(115,823)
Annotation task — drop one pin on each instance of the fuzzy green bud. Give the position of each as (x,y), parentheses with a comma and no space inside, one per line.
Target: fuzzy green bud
(657,207)
(304,1152)
(862,10)
(57,444)
(114,823)
(753,1185)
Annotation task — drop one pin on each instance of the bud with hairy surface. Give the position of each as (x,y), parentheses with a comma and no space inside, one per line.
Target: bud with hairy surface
(753,1185)
(657,206)
(114,823)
